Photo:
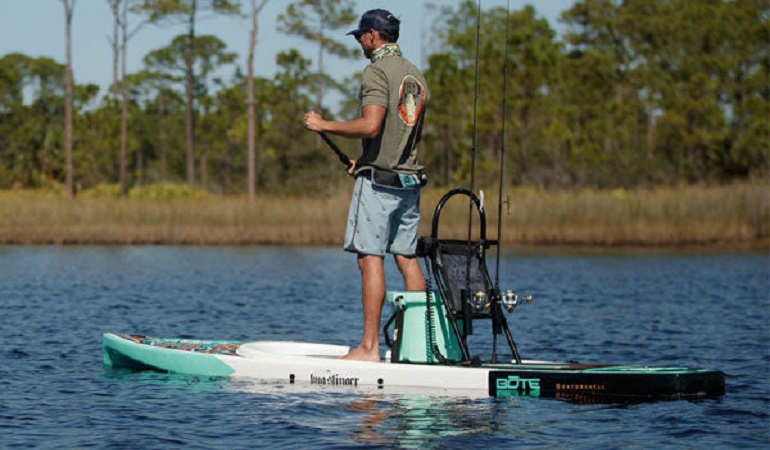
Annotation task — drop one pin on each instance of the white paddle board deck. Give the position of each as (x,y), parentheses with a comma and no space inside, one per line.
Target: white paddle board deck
(319,365)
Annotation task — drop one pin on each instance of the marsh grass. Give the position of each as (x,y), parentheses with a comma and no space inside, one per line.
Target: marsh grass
(736,215)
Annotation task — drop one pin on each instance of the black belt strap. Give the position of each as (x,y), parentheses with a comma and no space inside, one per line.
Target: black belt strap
(390,179)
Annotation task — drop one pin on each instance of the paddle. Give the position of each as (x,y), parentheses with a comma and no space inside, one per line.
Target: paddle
(343,157)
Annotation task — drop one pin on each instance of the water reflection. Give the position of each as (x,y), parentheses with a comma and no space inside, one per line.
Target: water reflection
(422,421)
(372,417)
(405,418)
(195,383)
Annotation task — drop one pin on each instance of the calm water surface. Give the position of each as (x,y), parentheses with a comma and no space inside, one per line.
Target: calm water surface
(699,310)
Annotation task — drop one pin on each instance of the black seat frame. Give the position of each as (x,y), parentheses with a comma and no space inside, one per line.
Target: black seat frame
(460,270)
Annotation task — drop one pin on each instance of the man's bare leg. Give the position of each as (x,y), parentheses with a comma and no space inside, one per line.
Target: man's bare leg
(373,294)
(414,280)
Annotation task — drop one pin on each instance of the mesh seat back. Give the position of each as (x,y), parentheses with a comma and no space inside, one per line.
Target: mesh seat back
(452,260)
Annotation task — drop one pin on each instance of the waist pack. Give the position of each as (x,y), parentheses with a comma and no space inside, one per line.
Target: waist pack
(394,180)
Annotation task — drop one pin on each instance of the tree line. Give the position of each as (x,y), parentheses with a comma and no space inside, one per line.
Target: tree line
(633,92)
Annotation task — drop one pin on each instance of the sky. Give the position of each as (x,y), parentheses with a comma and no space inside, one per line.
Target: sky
(36,28)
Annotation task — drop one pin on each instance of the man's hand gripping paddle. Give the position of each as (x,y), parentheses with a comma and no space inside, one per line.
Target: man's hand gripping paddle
(343,157)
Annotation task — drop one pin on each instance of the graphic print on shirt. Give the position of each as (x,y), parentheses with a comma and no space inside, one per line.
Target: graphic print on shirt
(411,100)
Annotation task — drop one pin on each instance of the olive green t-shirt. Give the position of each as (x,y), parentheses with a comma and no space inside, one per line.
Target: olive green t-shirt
(397,85)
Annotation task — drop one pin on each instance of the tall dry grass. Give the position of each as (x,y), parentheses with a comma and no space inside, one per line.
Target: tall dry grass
(736,215)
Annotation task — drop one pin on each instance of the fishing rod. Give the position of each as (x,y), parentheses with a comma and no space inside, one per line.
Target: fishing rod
(501,161)
(475,109)
(342,156)
(497,319)
(468,292)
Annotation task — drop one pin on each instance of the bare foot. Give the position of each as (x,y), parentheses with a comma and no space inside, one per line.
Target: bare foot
(360,354)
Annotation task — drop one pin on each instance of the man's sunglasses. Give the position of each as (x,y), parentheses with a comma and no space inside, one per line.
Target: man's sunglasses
(359,34)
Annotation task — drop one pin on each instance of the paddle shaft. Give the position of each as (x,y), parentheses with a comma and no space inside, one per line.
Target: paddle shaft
(342,157)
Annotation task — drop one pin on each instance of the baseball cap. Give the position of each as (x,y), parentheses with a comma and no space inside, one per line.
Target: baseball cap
(376,19)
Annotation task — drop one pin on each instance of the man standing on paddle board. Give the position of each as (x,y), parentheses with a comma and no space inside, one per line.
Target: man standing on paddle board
(384,210)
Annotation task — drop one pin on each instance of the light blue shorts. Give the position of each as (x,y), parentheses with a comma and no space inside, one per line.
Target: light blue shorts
(382,220)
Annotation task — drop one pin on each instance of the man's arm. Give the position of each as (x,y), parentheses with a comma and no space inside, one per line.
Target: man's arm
(369,125)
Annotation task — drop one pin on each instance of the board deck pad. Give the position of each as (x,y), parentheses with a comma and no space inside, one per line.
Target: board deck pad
(188,345)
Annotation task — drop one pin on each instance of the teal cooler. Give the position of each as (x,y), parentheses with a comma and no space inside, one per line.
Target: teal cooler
(411,343)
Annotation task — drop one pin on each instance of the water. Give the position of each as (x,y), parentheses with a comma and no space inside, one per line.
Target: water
(699,310)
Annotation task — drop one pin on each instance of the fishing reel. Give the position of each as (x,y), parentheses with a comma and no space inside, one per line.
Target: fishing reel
(479,302)
(510,300)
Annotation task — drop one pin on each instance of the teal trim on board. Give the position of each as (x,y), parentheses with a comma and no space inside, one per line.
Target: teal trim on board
(644,370)
(177,361)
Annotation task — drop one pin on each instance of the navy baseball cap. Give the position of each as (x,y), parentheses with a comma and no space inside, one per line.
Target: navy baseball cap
(376,19)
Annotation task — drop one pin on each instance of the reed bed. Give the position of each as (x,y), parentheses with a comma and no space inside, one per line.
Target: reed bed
(736,215)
